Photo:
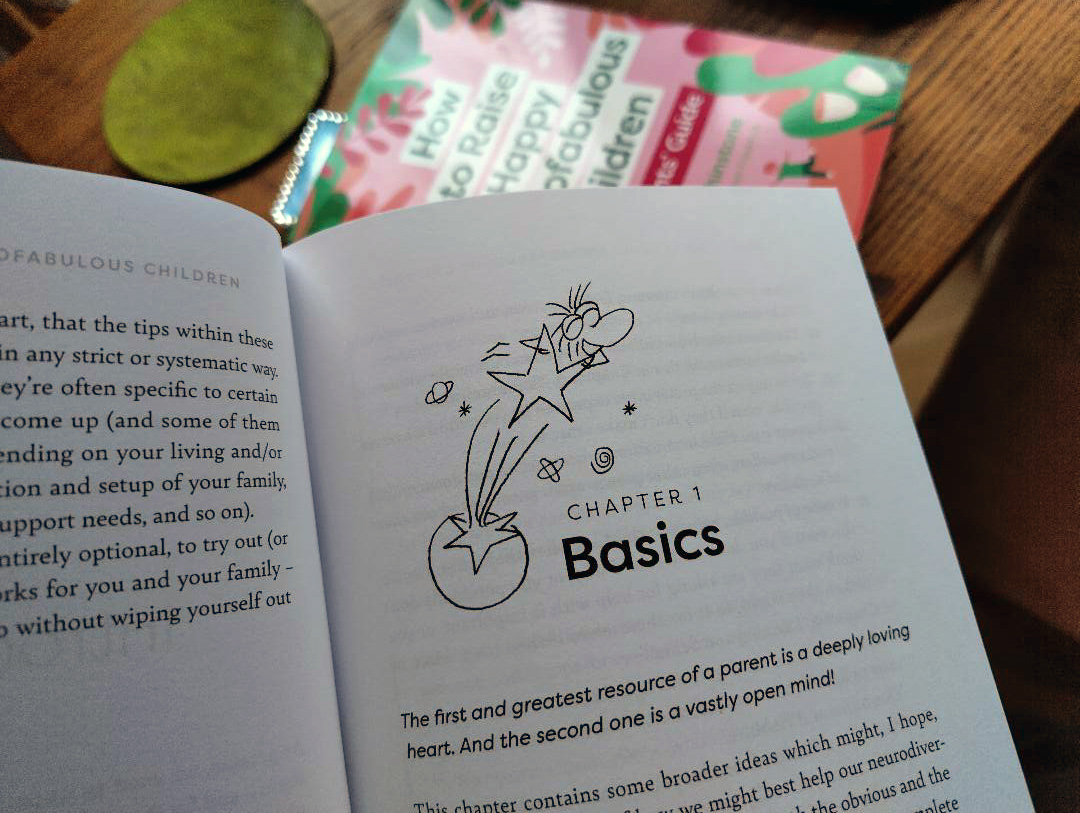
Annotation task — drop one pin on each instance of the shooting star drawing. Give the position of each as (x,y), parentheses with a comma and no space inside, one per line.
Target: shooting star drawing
(478,558)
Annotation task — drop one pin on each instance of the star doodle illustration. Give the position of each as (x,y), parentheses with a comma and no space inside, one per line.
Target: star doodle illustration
(573,338)
(630,408)
(543,381)
(498,530)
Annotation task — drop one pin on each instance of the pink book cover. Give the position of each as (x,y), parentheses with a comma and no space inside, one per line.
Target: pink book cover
(474,97)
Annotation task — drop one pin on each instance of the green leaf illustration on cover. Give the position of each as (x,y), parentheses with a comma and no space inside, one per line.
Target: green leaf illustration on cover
(386,78)
(400,55)
(403,44)
(331,206)
(488,14)
(845,92)
(804,169)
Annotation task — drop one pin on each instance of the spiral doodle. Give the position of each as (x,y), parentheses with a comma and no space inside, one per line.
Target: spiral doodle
(603,460)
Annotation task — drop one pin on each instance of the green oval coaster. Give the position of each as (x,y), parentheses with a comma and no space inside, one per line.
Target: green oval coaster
(212,87)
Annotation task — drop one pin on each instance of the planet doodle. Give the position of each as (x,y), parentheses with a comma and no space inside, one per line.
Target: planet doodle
(457,553)
(439,392)
(549,469)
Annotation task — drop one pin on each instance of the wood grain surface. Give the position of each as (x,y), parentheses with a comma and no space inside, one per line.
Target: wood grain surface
(992,84)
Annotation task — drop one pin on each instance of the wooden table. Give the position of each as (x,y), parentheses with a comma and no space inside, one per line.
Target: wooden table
(992,83)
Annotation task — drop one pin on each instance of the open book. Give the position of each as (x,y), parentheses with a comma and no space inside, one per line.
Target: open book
(618,507)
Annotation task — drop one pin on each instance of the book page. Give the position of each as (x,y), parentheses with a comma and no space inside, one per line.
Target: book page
(163,638)
(621,509)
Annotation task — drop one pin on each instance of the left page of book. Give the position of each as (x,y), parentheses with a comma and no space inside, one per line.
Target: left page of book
(163,636)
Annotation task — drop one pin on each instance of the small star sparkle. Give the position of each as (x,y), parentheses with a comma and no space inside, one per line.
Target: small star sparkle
(464,409)
(629,408)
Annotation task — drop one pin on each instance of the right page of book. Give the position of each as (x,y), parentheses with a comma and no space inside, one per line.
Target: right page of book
(621,508)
